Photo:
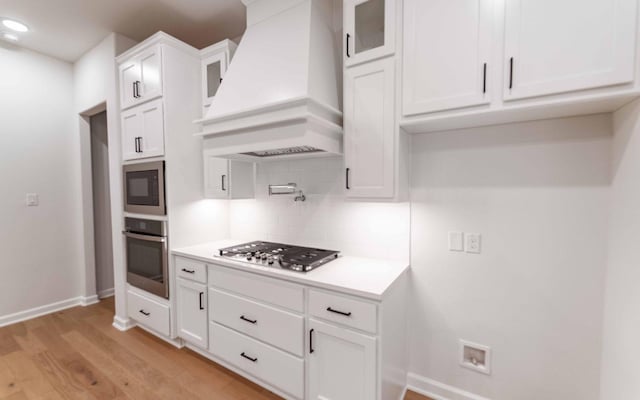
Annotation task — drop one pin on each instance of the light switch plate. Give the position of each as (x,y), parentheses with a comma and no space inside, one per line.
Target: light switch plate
(456,241)
(472,242)
(32,200)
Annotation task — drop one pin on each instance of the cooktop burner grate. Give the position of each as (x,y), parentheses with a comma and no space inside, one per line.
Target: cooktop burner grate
(279,255)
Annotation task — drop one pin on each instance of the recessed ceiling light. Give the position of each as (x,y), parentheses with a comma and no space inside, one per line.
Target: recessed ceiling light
(15,25)
(10,36)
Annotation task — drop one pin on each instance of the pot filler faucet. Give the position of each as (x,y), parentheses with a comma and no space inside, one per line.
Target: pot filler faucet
(290,188)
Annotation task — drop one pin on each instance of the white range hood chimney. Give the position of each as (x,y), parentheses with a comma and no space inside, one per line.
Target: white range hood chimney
(280,95)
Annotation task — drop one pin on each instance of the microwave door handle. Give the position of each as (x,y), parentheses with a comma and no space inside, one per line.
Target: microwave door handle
(148,238)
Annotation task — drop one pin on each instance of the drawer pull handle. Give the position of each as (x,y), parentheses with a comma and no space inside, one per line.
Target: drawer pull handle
(346,314)
(311,350)
(251,321)
(249,358)
(146,314)
(189,271)
(201,301)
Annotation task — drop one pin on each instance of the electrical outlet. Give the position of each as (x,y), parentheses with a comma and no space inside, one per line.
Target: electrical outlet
(472,242)
(456,241)
(32,200)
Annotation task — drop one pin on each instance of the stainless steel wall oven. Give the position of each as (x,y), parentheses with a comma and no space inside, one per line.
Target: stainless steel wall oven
(147,255)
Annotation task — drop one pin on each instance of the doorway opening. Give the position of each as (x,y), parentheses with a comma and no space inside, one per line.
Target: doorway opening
(102,230)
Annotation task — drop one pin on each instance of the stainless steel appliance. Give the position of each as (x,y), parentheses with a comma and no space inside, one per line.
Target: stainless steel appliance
(144,188)
(147,255)
(278,255)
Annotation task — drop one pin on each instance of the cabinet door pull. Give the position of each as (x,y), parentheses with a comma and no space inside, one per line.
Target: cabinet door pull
(139,143)
(346,314)
(135,145)
(346,178)
(133,90)
(224,177)
(348,37)
(201,300)
(189,271)
(249,358)
(251,321)
(146,314)
(484,78)
(136,89)
(511,73)
(311,350)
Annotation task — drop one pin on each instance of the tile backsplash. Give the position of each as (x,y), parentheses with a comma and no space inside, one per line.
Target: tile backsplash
(326,219)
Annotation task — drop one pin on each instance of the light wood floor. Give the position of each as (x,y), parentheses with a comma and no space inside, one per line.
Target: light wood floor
(77,354)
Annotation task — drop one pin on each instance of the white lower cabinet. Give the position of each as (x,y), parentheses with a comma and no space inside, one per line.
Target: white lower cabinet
(192,312)
(342,363)
(297,340)
(148,312)
(277,368)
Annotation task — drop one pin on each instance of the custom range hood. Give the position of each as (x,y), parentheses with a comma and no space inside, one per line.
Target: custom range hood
(280,96)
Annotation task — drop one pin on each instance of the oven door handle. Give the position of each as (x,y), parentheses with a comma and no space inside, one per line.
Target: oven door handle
(148,238)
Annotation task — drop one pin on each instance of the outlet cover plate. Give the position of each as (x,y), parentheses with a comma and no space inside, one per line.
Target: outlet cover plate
(472,243)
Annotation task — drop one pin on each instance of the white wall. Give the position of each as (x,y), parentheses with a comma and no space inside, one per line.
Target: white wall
(41,246)
(326,219)
(621,348)
(538,194)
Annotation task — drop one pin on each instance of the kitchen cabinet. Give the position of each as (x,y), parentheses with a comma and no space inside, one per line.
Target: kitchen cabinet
(447,48)
(192,312)
(149,311)
(342,363)
(301,339)
(228,179)
(369,30)
(141,77)
(369,130)
(557,47)
(215,61)
(143,131)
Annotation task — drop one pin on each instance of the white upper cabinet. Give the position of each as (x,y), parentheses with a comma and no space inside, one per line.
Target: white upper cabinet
(213,69)
(141,77)
(369,30)
(369,130)
(556,46)
(228,179)
(447,48)
(143,131)
(342,363)
(215,61)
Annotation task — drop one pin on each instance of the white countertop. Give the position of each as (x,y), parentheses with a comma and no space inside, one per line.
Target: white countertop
(365,277)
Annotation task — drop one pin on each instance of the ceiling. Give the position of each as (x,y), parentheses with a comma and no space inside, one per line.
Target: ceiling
(66,29)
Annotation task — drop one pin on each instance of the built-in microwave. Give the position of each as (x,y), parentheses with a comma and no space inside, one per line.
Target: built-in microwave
(144,188)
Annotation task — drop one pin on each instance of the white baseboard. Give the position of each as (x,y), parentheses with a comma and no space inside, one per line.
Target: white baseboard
(103,294)
(437,390)
(89,300)
(123,324)
(403,394)
(40,311)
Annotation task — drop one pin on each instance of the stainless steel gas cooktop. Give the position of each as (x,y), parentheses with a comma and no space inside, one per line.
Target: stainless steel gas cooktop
(278,255)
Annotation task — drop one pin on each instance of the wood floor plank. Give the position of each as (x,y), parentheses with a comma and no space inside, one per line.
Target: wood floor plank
(29,378)
(133,387)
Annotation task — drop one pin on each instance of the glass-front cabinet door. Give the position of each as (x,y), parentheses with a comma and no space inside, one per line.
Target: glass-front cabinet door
(213,69)
(369,27)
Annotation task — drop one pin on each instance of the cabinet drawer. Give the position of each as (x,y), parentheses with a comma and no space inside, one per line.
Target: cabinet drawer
(266,290)
(191,269)
(273,366)
(344,310)
(148,312)
(276,327)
